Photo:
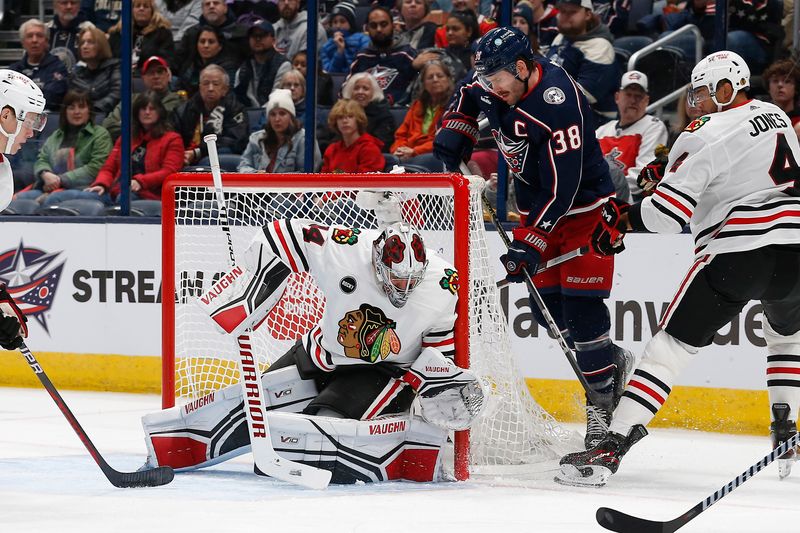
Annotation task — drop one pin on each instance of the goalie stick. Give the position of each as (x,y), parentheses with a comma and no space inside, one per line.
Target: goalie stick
(265,457)
(625,523)
(593,395)
(145,478)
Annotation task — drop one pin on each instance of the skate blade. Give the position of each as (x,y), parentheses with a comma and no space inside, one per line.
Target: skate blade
(785,467)
(589,476)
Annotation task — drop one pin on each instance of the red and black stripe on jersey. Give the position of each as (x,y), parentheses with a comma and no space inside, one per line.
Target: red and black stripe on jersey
(285,243)
(675,204)
(444,341)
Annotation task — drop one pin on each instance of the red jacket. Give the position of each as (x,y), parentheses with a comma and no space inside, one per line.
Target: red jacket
(410,131)
(164,156)
(364,155)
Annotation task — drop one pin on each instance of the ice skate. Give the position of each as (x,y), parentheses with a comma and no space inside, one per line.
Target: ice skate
(593,467)
(599,418)
(780,431)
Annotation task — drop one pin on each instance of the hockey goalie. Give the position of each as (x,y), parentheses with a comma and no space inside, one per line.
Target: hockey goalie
(341,398)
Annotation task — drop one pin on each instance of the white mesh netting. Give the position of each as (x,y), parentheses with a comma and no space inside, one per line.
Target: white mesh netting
(513,430)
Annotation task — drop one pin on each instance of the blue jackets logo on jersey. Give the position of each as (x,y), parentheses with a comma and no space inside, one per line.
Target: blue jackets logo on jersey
(554,95)
(514,152)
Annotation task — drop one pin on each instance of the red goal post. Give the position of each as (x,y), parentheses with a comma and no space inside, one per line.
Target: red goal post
(447,208)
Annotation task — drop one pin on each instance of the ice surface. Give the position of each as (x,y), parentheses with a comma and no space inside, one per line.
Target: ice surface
(48,483)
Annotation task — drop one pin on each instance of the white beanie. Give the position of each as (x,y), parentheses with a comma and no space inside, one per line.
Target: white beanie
(281,98)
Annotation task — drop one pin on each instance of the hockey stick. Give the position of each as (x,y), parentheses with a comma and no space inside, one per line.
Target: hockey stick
(625,523)
(594,396)
(145,478)
(266,458)
(563,258)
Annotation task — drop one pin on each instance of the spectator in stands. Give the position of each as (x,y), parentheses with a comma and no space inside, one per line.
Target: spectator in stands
(73,154)
(43,68)
(697,12)
(214,109)
(295,83)
(584,48)
(291,29)
(413,141)
(156,152)
(357,151)
(755,31)
(152,35)
(782,79)
(629,143)
(64,29)
(417,32)
(280,146)
(156,76)
(98,72)
(341,49)
(462,30)
(484,23)
(325,91)
(363,89)
(537,20)
(261,9)
(102,13)
(257,76)
(215,15)
(209,49)
(392,66)
(182,14)
(614,14)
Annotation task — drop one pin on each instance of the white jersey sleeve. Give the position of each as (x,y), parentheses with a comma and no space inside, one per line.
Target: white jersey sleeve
(6,182)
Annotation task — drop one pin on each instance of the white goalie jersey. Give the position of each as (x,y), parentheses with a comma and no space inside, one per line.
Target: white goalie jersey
(359,324)
(728,176)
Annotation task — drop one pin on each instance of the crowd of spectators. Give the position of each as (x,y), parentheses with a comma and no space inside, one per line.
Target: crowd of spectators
(385,72)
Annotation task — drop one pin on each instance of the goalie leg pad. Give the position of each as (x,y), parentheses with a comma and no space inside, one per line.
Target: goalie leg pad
(213,428)
(243,296)
(402,447)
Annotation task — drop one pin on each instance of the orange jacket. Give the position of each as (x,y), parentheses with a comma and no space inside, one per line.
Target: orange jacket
(410,131)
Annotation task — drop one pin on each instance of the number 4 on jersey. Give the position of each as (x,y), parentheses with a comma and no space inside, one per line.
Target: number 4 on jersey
(784,167)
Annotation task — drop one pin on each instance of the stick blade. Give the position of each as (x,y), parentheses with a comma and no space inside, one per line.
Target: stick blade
(625,523)
(296,473)
(154,477)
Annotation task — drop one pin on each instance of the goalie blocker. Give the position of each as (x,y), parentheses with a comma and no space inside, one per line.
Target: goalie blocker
(376,441)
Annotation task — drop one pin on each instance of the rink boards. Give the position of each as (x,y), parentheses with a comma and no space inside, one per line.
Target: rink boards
(94,304)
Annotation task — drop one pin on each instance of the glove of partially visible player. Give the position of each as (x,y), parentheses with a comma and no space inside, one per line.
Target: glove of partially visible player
(607,235)
(651,174)
(524,253)
(13,323)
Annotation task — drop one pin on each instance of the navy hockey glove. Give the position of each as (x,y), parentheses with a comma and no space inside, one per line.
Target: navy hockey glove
(13,324)
(607,235)
(524,253)
(651,174)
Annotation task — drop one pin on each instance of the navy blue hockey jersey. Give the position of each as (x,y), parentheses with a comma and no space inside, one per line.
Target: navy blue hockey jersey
(547,140)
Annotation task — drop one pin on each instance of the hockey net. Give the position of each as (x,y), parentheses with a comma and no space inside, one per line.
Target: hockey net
(513,430)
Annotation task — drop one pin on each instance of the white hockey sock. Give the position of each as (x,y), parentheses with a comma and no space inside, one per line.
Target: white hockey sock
(783,369)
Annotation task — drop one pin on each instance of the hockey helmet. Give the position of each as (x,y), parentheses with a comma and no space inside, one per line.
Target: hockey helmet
(18,92)
(714,68)
(398,255)
(499,50)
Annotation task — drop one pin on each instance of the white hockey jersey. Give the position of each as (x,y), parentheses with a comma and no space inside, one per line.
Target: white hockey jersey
(359,324)
(632,147)
(6,182)
(727,176)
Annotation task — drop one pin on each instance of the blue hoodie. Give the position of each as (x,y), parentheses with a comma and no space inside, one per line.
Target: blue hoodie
(333,61)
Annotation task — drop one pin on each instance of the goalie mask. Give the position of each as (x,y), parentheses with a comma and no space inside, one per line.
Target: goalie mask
(713,69)
(398,255)
(18,92)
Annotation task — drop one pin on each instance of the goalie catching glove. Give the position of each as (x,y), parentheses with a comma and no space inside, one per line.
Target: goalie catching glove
(607,235)
(13,324)
(449,397)
(243,296)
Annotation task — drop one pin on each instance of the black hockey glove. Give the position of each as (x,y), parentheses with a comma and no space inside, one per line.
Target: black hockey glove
(524,253)
(13,324)
(607,235)
(651,174)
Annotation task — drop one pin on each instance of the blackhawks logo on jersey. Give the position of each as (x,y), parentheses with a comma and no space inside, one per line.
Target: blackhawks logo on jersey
(450,281)
(368,334)
(345,236)
(696,124)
